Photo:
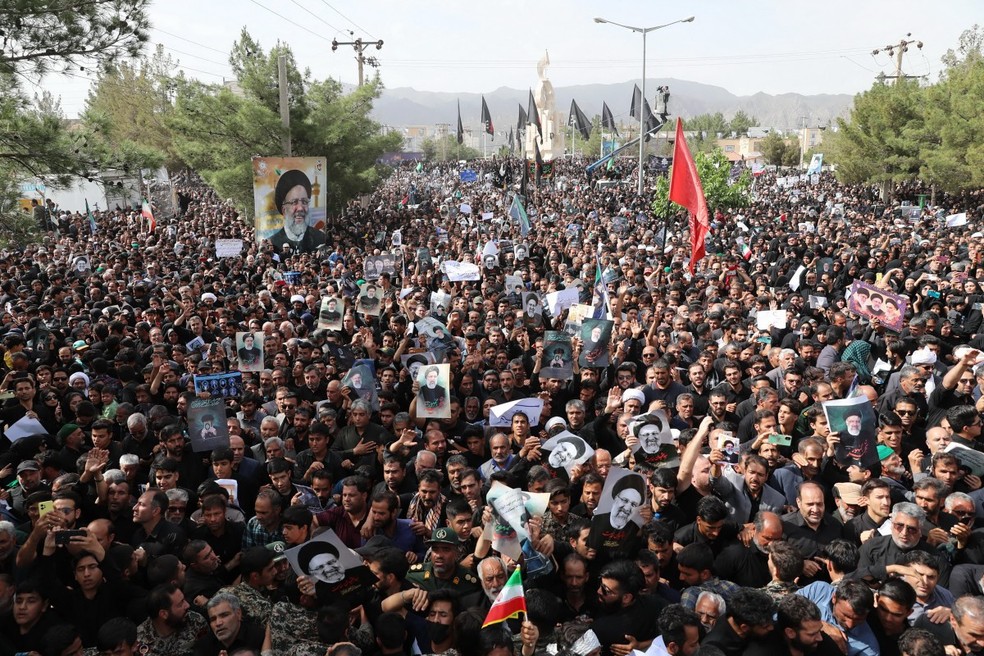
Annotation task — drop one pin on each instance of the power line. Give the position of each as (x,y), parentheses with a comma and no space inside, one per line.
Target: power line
(356,25)
(188,54)
(315,15)
(200,45)
(320,36)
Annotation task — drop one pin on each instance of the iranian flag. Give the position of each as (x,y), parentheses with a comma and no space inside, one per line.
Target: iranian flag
(149,215)
(510,602)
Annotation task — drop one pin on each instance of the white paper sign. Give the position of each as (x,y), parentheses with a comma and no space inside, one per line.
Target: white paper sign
(794,282)
(28,426)
(460,271)
(774,318)
(501,415)
(228,247)
(956,220)
(557,302)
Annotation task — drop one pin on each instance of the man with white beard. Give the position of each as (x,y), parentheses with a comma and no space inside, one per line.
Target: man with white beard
(492,575)
(881,553)
(292,197)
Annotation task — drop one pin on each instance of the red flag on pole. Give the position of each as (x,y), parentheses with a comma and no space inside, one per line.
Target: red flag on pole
(686,191)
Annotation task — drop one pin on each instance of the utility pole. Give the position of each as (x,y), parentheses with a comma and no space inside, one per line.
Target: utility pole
(360,46)
(284,104)
(898,50)
(803,134)
(442,133)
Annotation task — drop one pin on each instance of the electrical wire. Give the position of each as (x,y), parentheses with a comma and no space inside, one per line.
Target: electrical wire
(200,45)
(315,15)
(188,54)
(356,25)
(320,36)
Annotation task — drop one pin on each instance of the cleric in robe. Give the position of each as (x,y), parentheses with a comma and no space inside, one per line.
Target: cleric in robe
(615,528)
(432,394)
(249,354)
(293,199)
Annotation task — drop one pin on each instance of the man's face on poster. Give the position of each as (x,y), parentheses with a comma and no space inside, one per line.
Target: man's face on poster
(649,438)
(563,454)
(325,567)
(295,210)
(623,505)
(853,423)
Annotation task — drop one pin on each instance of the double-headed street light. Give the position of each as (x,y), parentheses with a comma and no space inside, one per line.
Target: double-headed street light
(642,117)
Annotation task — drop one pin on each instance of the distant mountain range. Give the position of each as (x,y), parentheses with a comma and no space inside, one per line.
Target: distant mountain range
(406,106)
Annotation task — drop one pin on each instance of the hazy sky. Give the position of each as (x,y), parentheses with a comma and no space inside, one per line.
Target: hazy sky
(435,45)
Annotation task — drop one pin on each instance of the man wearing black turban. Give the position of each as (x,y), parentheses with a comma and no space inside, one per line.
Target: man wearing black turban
(293,199)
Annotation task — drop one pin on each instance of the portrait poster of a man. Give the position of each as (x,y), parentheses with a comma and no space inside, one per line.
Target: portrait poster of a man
(566,450)
(433,397)
(854,422)
(289,195)
(616,521)
(335,568)
(655,440)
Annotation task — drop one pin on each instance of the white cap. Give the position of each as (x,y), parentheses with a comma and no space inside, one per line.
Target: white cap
(923,356)
(296,298)
(555,421)
(633,394)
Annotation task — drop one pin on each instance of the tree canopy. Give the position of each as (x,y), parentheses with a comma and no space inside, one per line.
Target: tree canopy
(39,35)
(720,190)
(217,131)
(906,131)
(780,150)
(56,36)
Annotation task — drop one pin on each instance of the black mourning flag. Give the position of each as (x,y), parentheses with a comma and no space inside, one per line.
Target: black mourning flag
(580,121)
(534,116)
(607,120)
(461,130)
(636,100)
(487,119)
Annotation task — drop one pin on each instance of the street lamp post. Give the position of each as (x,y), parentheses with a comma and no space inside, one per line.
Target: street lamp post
(642,118)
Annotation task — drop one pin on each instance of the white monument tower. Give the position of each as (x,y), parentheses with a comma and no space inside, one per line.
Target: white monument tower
(553,141)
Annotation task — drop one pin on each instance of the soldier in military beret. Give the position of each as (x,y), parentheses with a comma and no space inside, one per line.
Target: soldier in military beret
(443,570)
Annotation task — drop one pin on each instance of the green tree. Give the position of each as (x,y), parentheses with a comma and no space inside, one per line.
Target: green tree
(953,151)
(129,106)
(217,132)
(881,140)
(714,170)
(705,129)
(40,35)
(741,123)
(447,149)
(779,150)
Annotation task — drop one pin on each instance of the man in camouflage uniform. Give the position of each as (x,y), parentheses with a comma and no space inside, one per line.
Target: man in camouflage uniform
(442,570)
(288,622)
(258,569)
(171,629)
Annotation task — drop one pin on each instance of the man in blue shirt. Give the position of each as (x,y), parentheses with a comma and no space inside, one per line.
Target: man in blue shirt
(844,608)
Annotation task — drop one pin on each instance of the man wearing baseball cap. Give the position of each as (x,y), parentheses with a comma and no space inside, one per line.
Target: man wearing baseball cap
(442,569)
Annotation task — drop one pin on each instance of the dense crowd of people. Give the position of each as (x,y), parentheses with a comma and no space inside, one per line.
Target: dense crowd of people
(755,536)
